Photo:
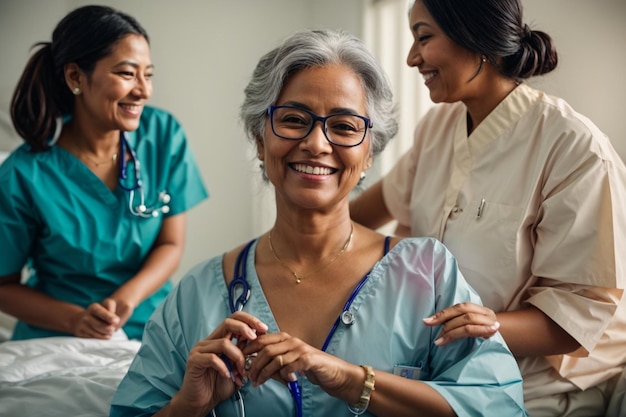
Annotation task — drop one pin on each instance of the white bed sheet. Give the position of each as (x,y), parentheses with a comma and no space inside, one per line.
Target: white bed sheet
(7,323)
(62,376)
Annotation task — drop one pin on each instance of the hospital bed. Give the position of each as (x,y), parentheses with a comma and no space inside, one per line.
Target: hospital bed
(60,376)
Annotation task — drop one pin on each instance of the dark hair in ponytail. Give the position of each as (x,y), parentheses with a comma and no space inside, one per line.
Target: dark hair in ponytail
(495,29)
(41,96)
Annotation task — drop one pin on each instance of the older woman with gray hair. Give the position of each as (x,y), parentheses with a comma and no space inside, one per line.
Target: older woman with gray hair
(319,316)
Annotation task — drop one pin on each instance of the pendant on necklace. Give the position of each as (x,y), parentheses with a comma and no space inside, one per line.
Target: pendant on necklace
(295,275)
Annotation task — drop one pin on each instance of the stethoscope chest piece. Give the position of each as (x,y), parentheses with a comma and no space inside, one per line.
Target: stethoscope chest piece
(348,318)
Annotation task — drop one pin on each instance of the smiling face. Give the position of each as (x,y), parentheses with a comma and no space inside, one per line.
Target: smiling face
(113,95)
(448,69)
(312,173)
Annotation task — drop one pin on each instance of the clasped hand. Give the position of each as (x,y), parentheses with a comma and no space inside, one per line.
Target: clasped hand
(101,320)
(241,350)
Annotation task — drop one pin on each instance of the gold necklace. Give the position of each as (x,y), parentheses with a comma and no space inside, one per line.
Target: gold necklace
(113,158)
(299,278)
(82,154)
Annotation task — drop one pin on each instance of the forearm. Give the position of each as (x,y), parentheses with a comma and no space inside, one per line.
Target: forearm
(529,332)
(176,408)
(158,266)
(38,309)
(156,270)
(394,395)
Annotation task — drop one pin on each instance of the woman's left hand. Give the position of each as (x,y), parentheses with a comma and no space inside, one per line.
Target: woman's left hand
(123,310)
(279,356)
(464,320)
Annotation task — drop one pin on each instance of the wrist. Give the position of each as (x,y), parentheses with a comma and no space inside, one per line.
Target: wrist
(361,405)
(125,298)
(73,319)
(178,407)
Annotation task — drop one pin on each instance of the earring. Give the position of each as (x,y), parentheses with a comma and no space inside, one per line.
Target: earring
(361,179)
(263,173)
(76,91)
(484,58)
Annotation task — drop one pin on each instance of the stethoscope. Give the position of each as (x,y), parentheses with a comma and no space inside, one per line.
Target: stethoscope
(139,210)
(239,294)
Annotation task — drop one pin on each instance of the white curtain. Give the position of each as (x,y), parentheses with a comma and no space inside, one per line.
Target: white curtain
(386,32)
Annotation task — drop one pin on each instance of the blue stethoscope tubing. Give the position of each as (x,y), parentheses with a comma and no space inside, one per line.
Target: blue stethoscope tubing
(137,185)
(239,294)
(123,165)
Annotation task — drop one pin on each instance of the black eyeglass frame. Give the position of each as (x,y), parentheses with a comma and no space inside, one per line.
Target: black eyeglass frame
(321,119)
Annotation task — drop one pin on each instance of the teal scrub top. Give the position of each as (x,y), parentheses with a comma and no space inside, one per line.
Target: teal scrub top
(414,280)
(79,238)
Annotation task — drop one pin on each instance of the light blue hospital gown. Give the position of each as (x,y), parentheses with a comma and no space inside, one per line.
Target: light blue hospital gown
(78,236)
(414,280)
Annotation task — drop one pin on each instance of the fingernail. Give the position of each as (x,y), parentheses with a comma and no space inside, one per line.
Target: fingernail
(495,326)
(439,341)
(431,318)
(292,377)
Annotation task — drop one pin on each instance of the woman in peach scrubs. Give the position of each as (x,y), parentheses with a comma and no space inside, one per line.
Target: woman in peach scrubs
(528,195)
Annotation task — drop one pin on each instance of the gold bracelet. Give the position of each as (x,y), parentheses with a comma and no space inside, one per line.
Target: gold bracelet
(368,386)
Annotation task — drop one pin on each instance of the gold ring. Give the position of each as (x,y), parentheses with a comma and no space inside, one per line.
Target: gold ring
(280,360)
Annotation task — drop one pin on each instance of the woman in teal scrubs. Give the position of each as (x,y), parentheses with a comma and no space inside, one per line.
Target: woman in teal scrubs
(98,257)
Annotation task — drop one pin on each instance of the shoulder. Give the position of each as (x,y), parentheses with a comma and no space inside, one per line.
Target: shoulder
(21,162)
(19,155)
(443,112)
(561,137)
(425,264)
(158,115)
(421,255)
(556,118)
(202,276)
(154,119)
(428,245)
(441,120)
(160,126)
(231,257)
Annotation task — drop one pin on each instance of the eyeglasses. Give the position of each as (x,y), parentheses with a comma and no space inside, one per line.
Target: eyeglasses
(342,129)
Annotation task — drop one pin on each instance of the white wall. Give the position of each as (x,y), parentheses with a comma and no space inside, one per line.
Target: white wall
(590,36)
(204,51)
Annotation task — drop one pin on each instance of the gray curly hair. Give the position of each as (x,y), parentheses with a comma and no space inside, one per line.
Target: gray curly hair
(317,48)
